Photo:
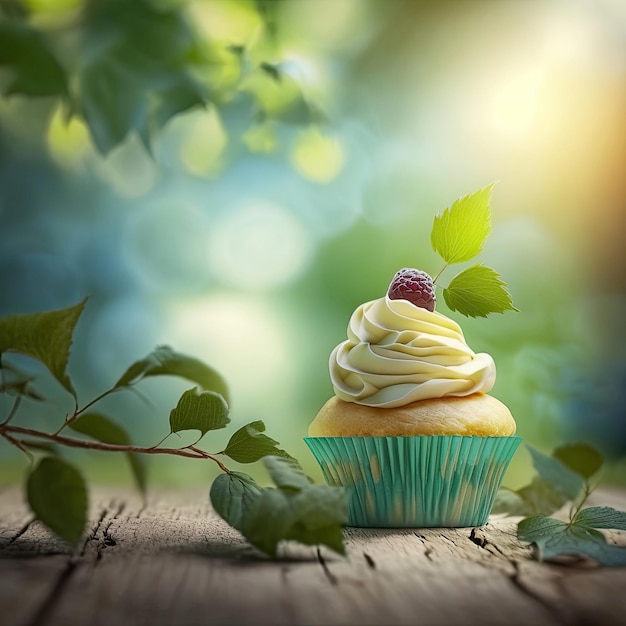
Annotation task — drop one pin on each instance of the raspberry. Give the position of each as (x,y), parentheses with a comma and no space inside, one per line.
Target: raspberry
(415,286)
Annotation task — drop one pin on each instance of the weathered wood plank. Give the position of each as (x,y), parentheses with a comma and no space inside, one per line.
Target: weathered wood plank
(173,561)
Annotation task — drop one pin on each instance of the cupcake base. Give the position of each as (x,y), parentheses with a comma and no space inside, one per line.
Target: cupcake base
(418,481)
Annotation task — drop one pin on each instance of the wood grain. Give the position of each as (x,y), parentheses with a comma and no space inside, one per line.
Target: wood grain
(171,560)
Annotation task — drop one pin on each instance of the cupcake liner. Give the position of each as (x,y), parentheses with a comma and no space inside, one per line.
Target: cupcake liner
(416,482)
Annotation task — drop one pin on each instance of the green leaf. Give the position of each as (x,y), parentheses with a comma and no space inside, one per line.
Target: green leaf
(57,494)
(202,411)
(103,429)
(580,458)
(314,516)
(541,497)
(113,102)
(300,112)
(477,292)
(566,482)
(294,511)
(534,528)
(137,76)
(329,536)
(320,511)
(232,496)
(272,70)
(268,521)
(36,71)
(460,232)
(14,382)
(601,517)
(163,361)
(181,93)
(560,480)
(510,502)
(286,473)
(249,444)
(555,538)
(45,336)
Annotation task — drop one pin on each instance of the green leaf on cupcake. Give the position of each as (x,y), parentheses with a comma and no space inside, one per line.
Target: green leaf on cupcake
(459,233)
(477,292)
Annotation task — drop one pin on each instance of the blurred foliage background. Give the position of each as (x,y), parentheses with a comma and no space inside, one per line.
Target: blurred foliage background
(233,178)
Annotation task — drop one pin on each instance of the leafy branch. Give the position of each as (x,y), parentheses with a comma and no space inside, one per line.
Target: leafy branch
(459,235)
(564,477)
(56,490)
(190,451)
(130,67)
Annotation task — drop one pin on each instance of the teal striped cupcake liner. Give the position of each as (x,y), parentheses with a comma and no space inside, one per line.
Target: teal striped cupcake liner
(418,481)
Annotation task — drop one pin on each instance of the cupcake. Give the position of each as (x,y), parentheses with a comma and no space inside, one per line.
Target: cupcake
(412,431)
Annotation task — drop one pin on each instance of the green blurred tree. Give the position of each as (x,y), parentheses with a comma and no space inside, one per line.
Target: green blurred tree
(129,67)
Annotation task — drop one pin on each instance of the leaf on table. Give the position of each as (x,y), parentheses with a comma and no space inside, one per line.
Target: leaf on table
(580,458)
(510,502)
(45,336)
(101,428)
(541,497)
(565,481)
(268,520)
(459,233)
(601,517)
(560,480)
(286,473)
(320,513)
(57,494)
(35,69)
(163,361)
(477,292)
(555,538)
(537,498)
(296,510)
(249,444)
(232,496)
(201,411)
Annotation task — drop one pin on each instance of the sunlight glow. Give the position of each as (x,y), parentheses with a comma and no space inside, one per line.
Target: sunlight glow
(514,104)
(164,245)
(129,157)
(258,246)
(67,141)
(204,142)
(239,335)
(318,157)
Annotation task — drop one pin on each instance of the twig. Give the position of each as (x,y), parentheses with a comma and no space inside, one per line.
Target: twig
(586,493)
(13,410)
(92,402)
(190,452)
(210,456)
(18,444)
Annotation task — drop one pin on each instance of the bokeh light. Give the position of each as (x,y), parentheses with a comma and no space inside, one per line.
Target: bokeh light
(241,336)
(258,246)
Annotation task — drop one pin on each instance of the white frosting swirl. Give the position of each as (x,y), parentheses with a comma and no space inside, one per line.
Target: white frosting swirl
(397,353)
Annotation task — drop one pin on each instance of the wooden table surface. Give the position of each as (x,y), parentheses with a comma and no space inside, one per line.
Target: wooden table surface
(173,561)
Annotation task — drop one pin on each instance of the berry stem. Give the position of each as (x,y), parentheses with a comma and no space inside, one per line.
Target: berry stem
(439,273)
